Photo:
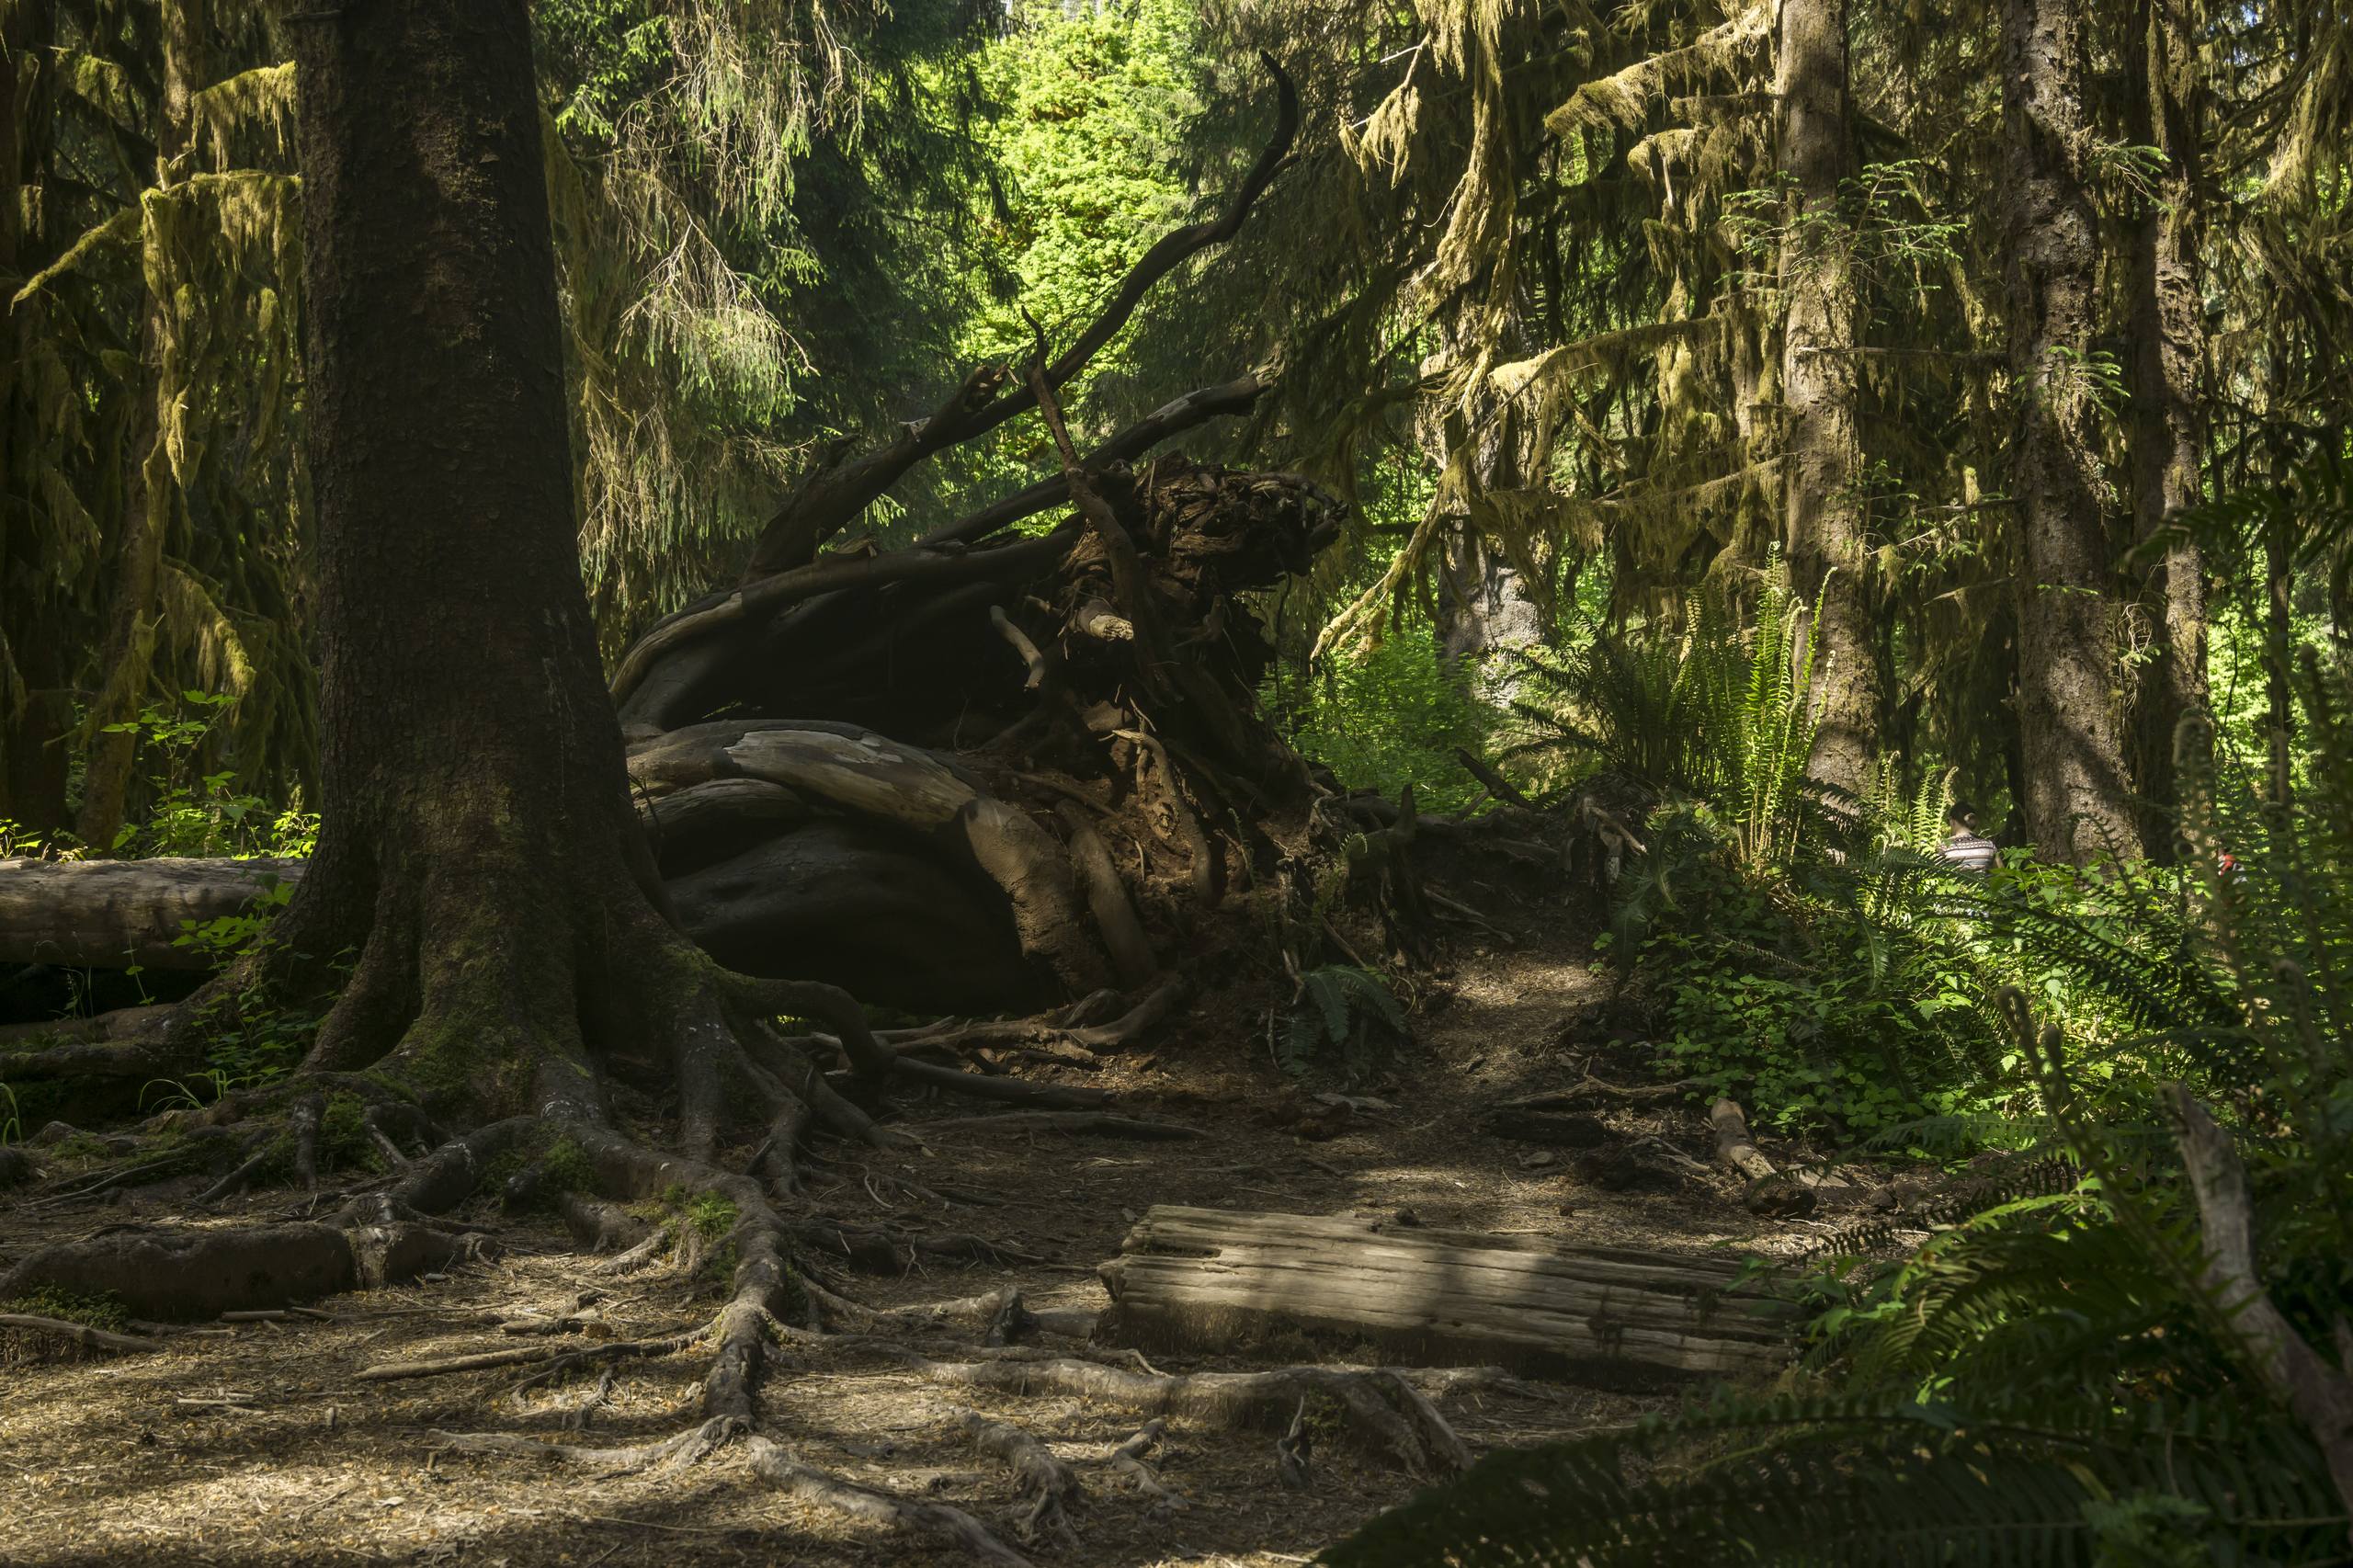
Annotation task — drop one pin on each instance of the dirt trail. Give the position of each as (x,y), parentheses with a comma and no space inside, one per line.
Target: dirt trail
(262,1444)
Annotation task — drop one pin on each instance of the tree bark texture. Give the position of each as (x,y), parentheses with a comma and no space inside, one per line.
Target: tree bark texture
(480,854)
(2077,789)
(2169,363)
(1823,513)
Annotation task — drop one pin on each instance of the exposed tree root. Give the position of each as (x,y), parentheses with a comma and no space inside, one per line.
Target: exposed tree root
(1128,1460)
(775,1465)
(881,1249)
(1011,1091)
(562,1361)
(1385,1406)
(1053,1485)
(1061,1040)
(999,1317)
(686,1447)
(1101,1123)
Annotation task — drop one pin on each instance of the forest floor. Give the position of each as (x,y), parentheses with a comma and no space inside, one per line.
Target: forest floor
(258,1443)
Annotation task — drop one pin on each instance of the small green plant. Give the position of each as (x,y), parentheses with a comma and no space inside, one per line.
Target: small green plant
(197,812)
(1344,1024)
(12,1125)
(98,1311)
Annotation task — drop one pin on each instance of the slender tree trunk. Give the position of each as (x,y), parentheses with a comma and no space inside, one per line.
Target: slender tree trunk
(2168,357)
(479,849)
(1823,513)
(150,498)
(2077,791)
(1484,604)
(2278,644)
(36,716)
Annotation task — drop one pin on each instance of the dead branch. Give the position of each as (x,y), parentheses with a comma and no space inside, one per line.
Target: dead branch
(81,1333)
(1769,1192)
(831,498)
(2318,1393)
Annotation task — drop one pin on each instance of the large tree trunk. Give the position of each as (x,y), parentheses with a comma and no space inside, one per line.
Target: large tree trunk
(2168,359)
(479,850)
(1822,511)
(2078,794)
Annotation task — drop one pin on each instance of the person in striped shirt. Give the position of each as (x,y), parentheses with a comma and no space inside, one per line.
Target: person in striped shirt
(1963,846)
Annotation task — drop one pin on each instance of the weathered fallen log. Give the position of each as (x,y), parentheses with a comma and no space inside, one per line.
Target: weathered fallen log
(184,1272)
(113,914)
(1206,1279)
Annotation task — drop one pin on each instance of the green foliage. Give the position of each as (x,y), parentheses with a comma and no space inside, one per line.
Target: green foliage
(1391,718)
(343,1143)
(2053,1378)
(102,1311)
(1344,1023)
(565,1167)
(1709,713)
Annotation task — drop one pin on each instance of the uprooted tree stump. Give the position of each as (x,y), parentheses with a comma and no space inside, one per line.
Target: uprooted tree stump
(1205,1280)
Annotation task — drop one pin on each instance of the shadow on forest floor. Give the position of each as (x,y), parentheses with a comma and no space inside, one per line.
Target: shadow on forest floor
(262,1447)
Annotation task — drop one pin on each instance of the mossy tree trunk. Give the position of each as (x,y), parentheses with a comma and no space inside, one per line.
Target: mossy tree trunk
(2168,358)
(479,855)
(2070,719)
(1824,518)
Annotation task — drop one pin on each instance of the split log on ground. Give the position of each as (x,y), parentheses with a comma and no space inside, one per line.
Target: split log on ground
(1769,1191)
(112,913)
(1214,1280)
(1379,1406)
(179,1273)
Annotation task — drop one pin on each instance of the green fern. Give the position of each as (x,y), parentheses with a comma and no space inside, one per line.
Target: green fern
(2048,1379)
(1344,1023)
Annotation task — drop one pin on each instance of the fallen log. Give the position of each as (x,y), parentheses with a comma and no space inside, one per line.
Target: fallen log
(114,913)
(1213,1279)
(170,1272)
